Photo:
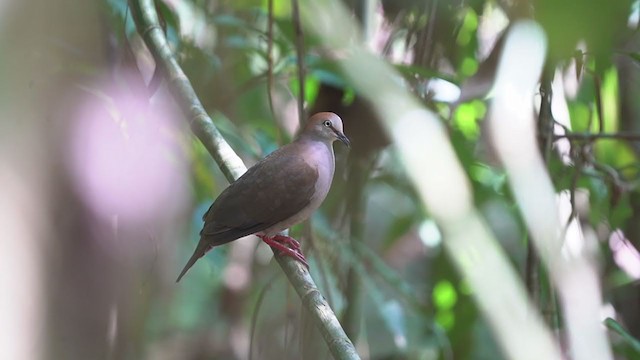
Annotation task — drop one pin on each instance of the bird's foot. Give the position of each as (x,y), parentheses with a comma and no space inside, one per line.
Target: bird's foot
(279,242)
(293,243)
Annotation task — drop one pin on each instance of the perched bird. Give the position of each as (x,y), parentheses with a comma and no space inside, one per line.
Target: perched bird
(279,191)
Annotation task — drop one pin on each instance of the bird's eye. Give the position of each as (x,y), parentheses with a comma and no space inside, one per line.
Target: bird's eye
(326,123)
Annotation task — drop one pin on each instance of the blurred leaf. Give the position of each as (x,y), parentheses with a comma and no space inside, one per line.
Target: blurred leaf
(580,115)
(446,319)
(239,42)
(488,176)
(597,22)
(204,182)
(466,118)
(444,295)
(399,226)
(412,71)
(609,93)
(199,65)
(632,55)
(241,144)
(311,89)
(620,213)
(394,316)
(229,20)
(614,326)
(288,35)
(327,72)
(281,9)
(468,66)
(615,153)
(467,28)
(170,19)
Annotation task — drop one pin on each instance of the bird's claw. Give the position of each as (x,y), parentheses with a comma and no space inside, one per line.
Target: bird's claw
(295,245)
(279,242)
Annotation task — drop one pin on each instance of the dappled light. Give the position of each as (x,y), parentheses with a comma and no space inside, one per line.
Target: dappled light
(124,157)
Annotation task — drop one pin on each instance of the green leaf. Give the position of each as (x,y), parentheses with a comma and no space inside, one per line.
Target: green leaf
(615,326)
(615,153)
(446,319)
(444,295)
(466,118)
(620,212)
(580,115)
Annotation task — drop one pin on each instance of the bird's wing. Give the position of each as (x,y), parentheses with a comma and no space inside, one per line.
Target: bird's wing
(276,188)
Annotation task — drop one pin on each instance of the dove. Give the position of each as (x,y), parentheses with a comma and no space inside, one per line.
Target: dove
(279,191)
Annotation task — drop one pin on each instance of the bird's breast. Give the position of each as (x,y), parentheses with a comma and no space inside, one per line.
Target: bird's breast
(322,159)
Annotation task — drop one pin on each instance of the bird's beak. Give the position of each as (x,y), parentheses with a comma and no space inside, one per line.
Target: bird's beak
(343,138)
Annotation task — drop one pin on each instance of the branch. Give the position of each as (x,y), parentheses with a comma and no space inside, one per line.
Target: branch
(599,107)
(541,287)
(270,57)
(300,61)
(597,136)
(146,20)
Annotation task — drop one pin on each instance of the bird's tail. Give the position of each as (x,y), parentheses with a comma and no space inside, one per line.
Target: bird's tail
(192,260)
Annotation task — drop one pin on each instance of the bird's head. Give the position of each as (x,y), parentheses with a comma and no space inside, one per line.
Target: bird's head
(326,126)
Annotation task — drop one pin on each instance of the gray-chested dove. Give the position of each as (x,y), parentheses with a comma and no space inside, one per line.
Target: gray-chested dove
(279,191)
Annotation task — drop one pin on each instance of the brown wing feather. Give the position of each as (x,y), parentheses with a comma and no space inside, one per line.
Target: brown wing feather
(273,190)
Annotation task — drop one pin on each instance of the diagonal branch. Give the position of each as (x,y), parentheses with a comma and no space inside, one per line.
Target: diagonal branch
(146,19)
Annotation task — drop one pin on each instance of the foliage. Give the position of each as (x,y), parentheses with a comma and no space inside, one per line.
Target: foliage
(376,252)
(418,307)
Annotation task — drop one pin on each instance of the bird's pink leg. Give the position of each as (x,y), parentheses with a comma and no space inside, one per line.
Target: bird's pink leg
(278,242)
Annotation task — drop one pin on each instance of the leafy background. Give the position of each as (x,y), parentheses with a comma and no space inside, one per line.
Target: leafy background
(108,290)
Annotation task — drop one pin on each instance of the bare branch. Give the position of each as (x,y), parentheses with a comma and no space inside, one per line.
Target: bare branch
(598,136)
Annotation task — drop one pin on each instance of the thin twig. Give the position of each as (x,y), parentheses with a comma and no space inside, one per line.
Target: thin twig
(598,136)
(322,270)
(254,316)
(532,271)
(547,303)
(300,60)
(387,275)
(532,262)
(563,126)
(325,279)
(572,195)
(270,57)
(599,109)
(579,165)
(545,118)
(394,32)
(431,42)
(608,171)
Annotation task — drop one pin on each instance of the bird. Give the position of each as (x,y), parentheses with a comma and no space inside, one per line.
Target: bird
(279,191)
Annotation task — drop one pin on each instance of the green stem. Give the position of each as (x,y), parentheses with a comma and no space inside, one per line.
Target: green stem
(539,283)
(628,338)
